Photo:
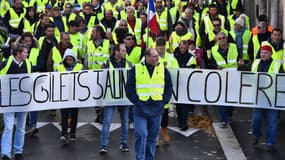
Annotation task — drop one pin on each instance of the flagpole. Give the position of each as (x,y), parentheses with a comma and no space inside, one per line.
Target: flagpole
(147,31)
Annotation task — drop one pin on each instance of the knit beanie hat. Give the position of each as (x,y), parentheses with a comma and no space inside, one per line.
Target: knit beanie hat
(266,48)
(240,21)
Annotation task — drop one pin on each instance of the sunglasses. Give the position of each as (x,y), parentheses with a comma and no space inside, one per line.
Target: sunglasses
(222,38)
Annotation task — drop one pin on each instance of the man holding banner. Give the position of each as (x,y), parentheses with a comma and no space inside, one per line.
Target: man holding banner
(225,56)
(149,89)
(266,64)
(15,64)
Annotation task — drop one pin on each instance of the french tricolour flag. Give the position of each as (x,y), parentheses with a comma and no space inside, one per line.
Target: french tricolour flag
(152,22)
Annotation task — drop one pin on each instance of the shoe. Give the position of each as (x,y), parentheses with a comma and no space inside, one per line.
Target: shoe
(72,137)
(164,134)
(5,158)
(184,127)
(131,126)
(269,147)
(103,150)
(64,139)
(19,157)
(34,131)
(124,147)
(224,125)
(255,141)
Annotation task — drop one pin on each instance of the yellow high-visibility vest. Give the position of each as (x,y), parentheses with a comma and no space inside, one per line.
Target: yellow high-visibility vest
(150,87)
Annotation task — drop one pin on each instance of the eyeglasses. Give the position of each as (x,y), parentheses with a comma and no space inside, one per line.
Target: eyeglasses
(222,38)
(216,25)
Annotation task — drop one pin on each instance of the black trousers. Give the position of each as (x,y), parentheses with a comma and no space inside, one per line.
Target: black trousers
(164,119)
(65,114)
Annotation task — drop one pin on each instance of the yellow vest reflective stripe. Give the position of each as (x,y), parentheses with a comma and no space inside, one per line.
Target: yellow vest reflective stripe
(15,19)
(162,20)
(4,7)
(209,25)
(91,22)
(192,61)
(276,55)
(41,5)
(176,39)
(109,6)
(97,56)
(137,30)
(256,45)
(232,56)
(273,68)
(135,55)
(33,57)
(169,61)
(77,67)
(173,13)
(245,40)
(234,4)
(56,58)
(8,65)
(149,87)
(79,42)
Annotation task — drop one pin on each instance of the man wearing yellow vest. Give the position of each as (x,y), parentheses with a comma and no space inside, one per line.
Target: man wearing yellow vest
(225,56)
(57,52)
(31,44)
(149,89)
(13,19)
(117,60)
(98,52)
(256,39)
(266,64)
(17,63)
(276,43)
(207,22)
(134,23)
(134,53)
(163,18)
(169,61)
(180,33)
(241,36)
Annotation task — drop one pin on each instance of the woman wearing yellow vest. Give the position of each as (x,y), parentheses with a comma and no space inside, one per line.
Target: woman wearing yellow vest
(69,63)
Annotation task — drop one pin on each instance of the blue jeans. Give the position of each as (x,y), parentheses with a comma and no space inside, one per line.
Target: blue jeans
(146,132)
(108,117)
(19,119)
(32,119)
(226,113)
(272,124)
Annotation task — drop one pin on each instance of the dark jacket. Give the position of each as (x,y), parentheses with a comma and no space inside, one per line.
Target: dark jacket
(150,107)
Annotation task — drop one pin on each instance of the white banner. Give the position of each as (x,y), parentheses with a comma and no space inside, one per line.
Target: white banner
(42,91)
